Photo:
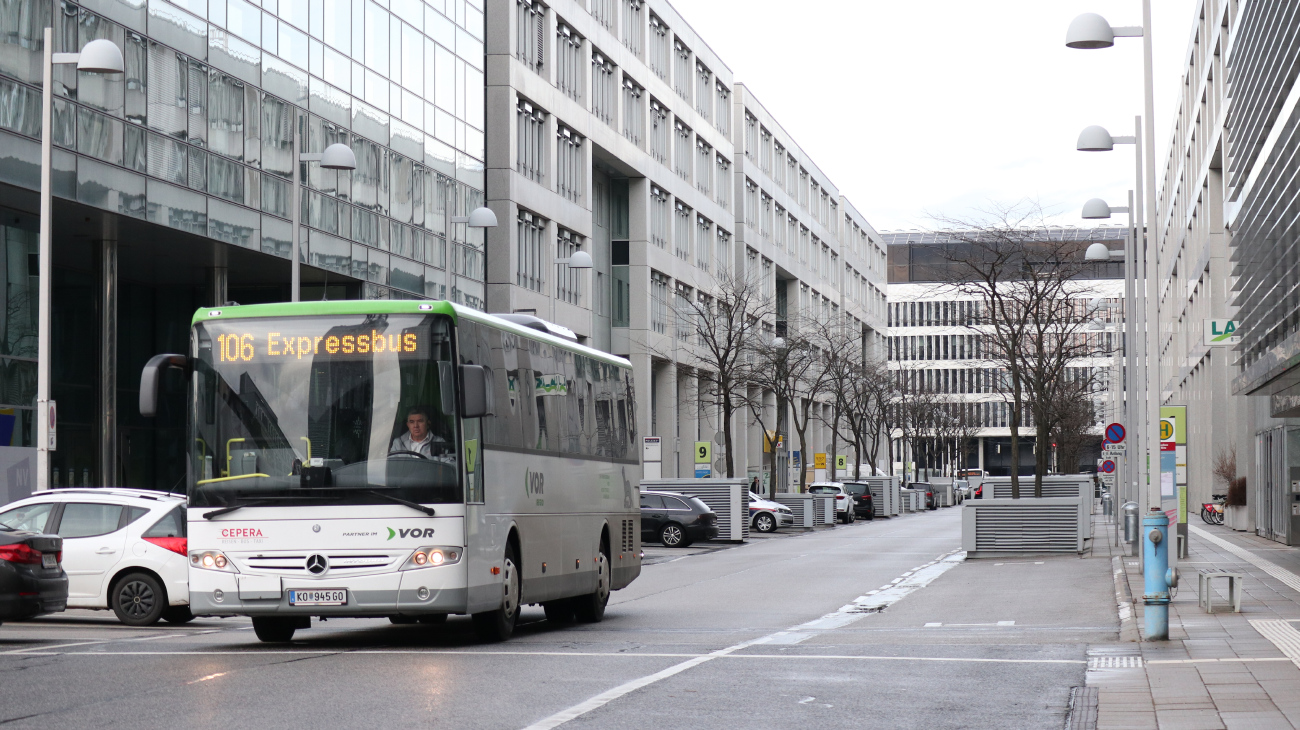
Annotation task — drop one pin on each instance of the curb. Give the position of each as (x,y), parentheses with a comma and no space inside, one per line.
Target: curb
(1128,630)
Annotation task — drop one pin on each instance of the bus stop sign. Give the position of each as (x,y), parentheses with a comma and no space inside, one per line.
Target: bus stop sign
(1115,433)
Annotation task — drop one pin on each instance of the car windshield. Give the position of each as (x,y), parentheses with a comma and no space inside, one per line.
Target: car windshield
(343,408)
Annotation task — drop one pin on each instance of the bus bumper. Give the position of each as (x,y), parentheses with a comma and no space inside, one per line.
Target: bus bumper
(215,593)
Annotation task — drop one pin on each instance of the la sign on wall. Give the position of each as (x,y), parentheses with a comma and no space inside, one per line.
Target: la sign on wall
(1219,332)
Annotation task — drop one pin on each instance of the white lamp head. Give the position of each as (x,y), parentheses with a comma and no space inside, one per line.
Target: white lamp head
(1088,31)
(485,218)
(1096,208)
(778,342)
(101,56)
(1095,139)
(338,156)
(579,260)
(1097,252)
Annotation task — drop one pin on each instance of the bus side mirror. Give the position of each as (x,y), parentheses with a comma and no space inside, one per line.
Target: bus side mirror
(475,391)
(151,376)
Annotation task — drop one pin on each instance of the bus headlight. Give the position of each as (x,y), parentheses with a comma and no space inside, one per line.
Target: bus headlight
(432,557)
(211,560)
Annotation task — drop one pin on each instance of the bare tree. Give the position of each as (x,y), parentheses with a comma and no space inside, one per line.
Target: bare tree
(1072,413)
(1025,280)
(724,326)
(1225,464)
(793,368)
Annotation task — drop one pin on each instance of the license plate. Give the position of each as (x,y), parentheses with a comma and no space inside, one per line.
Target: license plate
(323,597)
(49,560)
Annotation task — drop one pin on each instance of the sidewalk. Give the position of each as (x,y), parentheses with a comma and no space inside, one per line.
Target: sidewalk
(1222,670)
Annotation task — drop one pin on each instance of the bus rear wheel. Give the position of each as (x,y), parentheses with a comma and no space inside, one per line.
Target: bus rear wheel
(590,609)
(498,625)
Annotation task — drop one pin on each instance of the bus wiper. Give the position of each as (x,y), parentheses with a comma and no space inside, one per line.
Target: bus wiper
(232,508)
(427,510)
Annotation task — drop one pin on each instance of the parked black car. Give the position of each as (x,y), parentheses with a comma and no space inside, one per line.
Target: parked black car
(32,580)
(863,504)
(930,501)
(676,520)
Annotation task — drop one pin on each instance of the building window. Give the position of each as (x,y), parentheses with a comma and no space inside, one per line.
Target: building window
(703,166)
(751,204)
(658,302)
(768,282)
(751,135)
(765,151)
(682,232)
(569,164)
(723,243)
(778,163)
(682,71)
(723,109)
(604,99)
(659,217)
(682,158)
(792,233)
(778,228)
(765,217)
(632,24)
(682,308)
(803,243)
(723,182)
(704,91)
(703,233)
(633,112)
(568,281)
(531,231)
(603,11)
(804,183)
(660,138)
(792,176)
(568,70)
(530,44)
(660,56)
(531,156)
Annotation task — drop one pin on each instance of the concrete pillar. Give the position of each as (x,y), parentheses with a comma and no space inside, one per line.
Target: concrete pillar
(665,405)
(218,286)
(688,423)
(109,468)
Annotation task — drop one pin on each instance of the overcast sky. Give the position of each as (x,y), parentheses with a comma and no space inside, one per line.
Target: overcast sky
(936,107)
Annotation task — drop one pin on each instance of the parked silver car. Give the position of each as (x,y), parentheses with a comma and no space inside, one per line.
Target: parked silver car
(766,515)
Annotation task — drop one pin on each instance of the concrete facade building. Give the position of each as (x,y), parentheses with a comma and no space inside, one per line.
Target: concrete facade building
(173,186)
(630,139)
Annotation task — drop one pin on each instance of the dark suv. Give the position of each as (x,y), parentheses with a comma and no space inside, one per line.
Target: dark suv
(930,501)
(676,520)
(863,504)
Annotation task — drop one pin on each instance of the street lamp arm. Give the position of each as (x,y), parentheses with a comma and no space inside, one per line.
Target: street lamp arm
(1127,31)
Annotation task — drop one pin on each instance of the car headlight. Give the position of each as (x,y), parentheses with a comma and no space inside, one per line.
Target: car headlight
(212,560)
(432,557)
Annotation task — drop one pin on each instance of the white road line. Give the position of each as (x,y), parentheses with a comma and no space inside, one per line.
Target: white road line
(1283,635)
(915,579)
(36,649)
(1287,577)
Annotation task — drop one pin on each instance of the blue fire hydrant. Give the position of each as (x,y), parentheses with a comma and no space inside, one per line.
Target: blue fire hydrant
(1156,574)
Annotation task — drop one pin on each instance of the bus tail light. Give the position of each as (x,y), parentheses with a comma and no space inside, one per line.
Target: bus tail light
(432,557)
(211,560)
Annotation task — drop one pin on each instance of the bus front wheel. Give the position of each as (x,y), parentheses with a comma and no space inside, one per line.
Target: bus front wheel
(274,628)
(498,625)
(590,609)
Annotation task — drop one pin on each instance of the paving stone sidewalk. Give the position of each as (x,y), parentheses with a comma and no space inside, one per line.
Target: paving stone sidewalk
(1222,670)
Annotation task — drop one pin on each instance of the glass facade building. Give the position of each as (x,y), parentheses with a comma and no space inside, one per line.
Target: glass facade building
(173,189)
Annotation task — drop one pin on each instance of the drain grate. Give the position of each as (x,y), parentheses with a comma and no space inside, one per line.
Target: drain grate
(1114,662)
(1083,708)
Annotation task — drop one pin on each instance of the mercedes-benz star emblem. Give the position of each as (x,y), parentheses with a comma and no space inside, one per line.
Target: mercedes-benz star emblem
(315,528)
(317,564)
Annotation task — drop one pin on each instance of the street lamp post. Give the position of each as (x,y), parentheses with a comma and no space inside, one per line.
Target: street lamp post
(1090,31)
(337,156)
(98,56)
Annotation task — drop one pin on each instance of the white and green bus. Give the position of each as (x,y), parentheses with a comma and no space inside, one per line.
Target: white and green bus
(402,459)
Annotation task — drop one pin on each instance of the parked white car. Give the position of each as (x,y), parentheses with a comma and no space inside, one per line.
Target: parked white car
(766,515)
(844,510)
(123,549)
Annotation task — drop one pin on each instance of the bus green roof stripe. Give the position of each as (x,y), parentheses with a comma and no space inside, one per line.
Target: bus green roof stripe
(398,306)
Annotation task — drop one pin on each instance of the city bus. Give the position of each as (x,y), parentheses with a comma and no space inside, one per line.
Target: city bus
(402,459)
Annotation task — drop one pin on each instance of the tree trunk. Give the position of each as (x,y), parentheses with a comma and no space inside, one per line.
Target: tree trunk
(727,412)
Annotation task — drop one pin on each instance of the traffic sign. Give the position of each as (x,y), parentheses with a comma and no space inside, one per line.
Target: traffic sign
(1107,467)
(841,461)
(1115,433)
(703,452)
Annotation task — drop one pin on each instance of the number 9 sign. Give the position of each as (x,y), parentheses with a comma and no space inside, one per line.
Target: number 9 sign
(703,452)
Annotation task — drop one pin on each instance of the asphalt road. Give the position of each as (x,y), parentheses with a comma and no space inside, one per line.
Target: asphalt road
(876,624)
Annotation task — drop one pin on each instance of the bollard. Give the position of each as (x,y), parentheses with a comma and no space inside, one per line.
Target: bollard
(1106,505)
(1155,542)
(1130,512)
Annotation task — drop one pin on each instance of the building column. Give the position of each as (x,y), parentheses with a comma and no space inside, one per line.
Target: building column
(218,286)
(688,423)
(664,375)
(108,294)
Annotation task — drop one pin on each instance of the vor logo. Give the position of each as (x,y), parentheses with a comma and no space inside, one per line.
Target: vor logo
(410,532)
(534,482)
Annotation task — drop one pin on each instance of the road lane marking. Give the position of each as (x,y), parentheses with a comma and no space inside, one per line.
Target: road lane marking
(915,579)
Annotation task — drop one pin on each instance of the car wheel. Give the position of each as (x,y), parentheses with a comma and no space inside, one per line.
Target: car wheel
(765,522)
(672,535)
(430,619)
(138,599)
(590,609)
(273,629)
(402,620)
(178,615)
(499,624)
(559,611)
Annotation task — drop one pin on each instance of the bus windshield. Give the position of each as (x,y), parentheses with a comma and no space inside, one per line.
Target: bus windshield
(345,409)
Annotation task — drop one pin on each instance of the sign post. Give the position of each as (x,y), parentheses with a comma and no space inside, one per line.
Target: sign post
(651,456)
(1173,468)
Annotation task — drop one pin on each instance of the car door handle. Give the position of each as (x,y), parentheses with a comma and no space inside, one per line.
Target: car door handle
(105,551)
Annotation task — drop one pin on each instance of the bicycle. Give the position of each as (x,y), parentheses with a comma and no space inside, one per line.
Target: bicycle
(1212,512)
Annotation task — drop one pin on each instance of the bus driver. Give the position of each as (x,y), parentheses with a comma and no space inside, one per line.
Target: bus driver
(418,438)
